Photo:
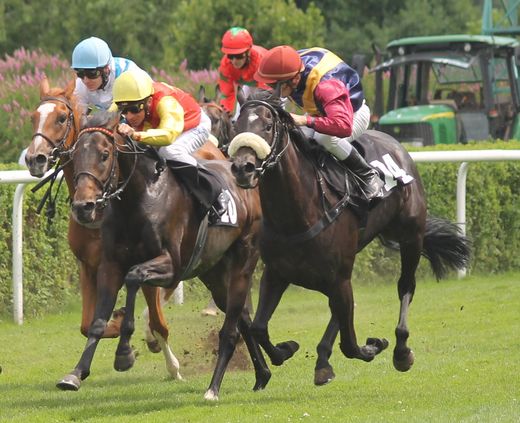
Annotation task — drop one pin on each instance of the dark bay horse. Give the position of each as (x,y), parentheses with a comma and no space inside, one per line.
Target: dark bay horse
(307,240)
(221,127)
(56,123)
(151,236)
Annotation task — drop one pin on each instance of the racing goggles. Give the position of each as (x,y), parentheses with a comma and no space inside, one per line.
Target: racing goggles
(88,73)
(134,108)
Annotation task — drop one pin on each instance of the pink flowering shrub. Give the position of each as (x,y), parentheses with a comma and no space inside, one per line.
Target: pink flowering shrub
(20,76)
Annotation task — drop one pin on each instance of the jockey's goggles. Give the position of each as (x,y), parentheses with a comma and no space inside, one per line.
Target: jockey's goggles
(88,73)
(134,108)
(236,56)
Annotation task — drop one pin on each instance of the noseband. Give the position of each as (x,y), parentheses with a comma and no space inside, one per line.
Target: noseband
(108,189)
(57,145)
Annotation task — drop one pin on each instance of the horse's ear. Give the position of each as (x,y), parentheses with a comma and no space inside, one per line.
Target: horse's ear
(69,89)
(202,94)
(83,121)
(241,97)
(218,94)
(44,87)
(277,91)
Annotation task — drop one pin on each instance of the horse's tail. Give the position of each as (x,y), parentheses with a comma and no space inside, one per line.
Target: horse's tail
(445,246)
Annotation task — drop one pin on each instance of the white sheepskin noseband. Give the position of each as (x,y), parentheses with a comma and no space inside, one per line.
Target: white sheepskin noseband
(248,139)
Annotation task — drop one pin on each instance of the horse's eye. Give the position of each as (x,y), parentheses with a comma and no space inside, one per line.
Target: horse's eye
(105,155)
(62,119)
(269,126)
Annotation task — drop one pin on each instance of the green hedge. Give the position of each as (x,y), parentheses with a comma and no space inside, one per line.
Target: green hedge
(492,215)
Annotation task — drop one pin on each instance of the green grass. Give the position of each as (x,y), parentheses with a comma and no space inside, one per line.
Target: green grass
(465,335)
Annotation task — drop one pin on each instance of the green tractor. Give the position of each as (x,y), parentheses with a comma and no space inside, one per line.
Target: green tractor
(448,89)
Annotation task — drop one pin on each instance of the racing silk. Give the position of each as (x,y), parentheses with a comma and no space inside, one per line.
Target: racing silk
(322,65)
(172,111)
(230,77)
(102,99)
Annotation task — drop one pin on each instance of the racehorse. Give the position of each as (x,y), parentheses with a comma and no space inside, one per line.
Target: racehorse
(152,235)
(221,126)
(312,231)
(56,123)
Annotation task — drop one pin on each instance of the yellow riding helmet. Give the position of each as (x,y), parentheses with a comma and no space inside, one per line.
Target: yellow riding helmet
(132,85)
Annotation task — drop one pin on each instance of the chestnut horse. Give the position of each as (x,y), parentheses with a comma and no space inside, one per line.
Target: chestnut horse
(151,236)
(311,236)
(56,124)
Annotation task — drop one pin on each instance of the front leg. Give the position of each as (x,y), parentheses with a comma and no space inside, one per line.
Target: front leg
(150,274)
(110,280)
(272,288)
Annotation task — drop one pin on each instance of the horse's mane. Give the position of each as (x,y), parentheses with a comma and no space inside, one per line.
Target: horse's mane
(302,142)
(100,119)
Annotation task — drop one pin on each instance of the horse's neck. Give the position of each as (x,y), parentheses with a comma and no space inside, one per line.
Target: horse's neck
(289,194)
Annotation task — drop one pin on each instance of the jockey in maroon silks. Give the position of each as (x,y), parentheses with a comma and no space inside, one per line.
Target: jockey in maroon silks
(238,65)
(330,93)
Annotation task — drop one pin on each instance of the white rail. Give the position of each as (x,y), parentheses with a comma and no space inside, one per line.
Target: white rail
(23,177)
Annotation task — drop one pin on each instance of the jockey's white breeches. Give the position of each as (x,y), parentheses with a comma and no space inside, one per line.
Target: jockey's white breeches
(188,142)
(340,147)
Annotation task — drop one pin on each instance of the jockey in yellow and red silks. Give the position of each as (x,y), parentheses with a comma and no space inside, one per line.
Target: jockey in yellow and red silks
(238,65)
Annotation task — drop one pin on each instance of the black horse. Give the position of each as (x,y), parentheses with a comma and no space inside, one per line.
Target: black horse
(152,235)
(313,229)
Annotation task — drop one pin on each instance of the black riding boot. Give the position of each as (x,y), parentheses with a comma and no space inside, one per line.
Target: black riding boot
(371,183)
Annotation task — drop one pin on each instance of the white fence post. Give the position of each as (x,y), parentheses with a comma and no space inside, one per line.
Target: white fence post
(18,254)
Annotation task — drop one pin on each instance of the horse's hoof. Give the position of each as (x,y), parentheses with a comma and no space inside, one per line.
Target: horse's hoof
(404,364)
(262,380)
(379,344)
(122,363)
(154,346)
(287,350)
(211,395)
(323,376)
(69,383)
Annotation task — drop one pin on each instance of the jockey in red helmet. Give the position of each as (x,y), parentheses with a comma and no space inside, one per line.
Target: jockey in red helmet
(238,65)
(330,93)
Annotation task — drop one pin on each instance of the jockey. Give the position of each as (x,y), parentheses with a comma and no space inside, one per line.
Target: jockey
(96,70)
(331,95)
(238,65)
(168,118)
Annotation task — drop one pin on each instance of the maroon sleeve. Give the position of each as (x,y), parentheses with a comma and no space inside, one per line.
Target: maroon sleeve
(334,99)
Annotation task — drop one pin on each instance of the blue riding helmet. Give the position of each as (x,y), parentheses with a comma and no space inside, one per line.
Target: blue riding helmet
(91,53)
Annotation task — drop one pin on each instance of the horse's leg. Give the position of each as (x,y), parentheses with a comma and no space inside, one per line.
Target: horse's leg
(341,303)
(161,297)
(271,291)
(110,280)
(410,255)
(323,372)
(87,283)
(158,271)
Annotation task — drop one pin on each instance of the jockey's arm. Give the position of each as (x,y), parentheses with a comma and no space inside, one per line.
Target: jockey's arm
(338,113)
(170,126)
(227,88)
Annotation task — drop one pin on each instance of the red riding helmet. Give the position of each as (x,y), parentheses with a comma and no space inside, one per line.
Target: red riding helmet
(279,64)
(236,40)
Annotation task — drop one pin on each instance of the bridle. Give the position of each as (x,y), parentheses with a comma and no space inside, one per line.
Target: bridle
(57,145)
(109,188)
(277,147)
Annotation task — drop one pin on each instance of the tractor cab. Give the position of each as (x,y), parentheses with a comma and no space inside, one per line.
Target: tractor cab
(448,89)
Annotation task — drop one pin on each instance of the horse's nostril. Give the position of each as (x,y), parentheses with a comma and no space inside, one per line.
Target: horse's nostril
(234,169)
(89,206)
(249,167)
(41,159)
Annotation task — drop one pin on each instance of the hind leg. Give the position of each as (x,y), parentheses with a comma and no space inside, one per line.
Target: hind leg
(159,298)
(410,255)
